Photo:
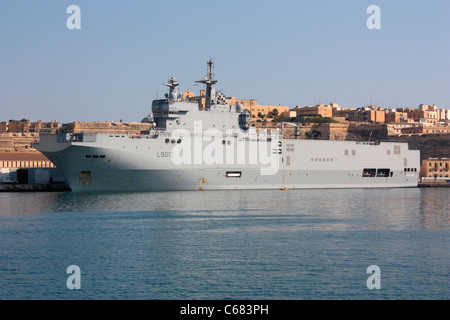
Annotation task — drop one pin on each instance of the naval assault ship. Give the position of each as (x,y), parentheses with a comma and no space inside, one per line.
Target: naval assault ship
(211,146)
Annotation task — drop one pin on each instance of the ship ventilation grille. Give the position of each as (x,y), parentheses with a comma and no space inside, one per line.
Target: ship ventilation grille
(221,99)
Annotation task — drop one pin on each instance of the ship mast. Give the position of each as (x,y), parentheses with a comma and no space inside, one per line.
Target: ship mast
(172,84)
(210,94)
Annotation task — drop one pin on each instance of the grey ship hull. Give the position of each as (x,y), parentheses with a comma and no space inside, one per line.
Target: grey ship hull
(212,147)
(128,163)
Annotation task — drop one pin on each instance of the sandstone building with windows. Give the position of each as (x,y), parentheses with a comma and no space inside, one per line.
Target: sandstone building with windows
(435,168)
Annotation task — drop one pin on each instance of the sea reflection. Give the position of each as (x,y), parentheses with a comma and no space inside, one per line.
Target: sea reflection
(434,208)
(291,244)
(336,209)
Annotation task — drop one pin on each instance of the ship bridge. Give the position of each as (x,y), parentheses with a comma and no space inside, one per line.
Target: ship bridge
(174,113)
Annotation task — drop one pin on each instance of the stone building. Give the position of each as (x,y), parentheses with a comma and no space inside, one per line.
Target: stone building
(435,168)
(25,126)
(368,114)
(266,111)
(317,110)
(421,129)
(105,127)
(394,116)
(430,113)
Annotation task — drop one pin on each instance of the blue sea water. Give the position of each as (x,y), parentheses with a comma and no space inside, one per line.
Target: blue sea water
(291,244)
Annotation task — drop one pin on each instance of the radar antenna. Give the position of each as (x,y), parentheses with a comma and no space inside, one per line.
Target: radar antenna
(210,94)
(172,84)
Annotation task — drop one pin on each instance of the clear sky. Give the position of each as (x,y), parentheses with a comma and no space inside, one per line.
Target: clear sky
(287,52)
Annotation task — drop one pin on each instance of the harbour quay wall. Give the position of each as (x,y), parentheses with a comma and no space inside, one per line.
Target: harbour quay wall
(18,141)
(32,179)
(16,187)
(29,171)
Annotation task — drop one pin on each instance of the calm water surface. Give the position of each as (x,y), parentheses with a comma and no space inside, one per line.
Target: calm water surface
(295,244)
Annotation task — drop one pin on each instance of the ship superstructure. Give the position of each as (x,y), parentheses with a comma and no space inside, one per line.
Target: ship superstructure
(210,146)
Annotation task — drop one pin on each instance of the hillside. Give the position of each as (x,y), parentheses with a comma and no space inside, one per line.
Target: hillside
(430,146)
